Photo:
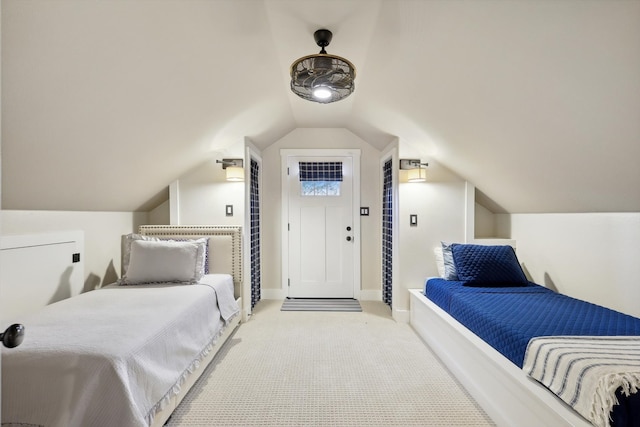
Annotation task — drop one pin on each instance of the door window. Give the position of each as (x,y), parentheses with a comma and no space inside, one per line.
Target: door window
(320,188)
(320,178)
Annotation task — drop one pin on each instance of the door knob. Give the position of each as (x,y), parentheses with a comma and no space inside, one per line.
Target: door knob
(349,228)
(348,238)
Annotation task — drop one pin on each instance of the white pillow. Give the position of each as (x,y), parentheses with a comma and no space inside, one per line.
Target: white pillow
(164,261)
(126,249)
(129,238)
(439,260)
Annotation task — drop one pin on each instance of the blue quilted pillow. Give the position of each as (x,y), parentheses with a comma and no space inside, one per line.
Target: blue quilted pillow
(480,265)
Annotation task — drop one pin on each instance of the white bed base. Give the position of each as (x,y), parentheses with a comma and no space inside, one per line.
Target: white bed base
(502,389)
(225,247)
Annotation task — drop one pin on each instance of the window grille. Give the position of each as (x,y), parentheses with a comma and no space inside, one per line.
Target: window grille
(255,233)
(387,233)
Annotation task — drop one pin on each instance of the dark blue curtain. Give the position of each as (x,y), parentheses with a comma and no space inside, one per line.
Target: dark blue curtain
(255,232)
(387,231)
(320,171)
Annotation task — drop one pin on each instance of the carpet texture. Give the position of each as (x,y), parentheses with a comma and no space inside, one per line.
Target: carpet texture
(320,304)
(326,369)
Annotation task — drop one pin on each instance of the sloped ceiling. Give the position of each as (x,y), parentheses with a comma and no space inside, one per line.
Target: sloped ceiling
(537,103)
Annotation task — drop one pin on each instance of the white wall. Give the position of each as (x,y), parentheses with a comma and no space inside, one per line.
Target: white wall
(590,256)
(485,223)
(0,164)
(160,215)
(439,204)
(204,192)
(199,196)
(369,196)
(37,270)
(102,233)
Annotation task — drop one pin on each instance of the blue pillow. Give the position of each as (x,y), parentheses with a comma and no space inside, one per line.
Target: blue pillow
(480,265)
(449,266)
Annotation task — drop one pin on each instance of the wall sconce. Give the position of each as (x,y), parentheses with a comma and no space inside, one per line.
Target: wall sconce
(234,169)
(415,171)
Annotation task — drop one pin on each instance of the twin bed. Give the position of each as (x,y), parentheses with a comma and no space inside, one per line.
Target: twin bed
(126,354)
(530,356)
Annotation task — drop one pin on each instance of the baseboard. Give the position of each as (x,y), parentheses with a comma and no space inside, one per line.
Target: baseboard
(401,316)
(272,293)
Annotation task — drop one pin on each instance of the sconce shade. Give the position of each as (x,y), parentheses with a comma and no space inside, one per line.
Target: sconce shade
(417,175)
(234,169)
(235,173)
(414,171)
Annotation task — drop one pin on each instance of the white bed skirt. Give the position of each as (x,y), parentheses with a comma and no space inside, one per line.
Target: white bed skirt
(164,414)
(502,389)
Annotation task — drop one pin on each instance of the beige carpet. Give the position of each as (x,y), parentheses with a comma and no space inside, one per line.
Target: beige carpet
(326,369)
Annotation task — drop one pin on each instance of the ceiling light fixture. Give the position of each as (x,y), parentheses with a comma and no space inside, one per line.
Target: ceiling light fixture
(322,78)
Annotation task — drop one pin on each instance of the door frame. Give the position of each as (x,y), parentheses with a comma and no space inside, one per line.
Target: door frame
(284,212)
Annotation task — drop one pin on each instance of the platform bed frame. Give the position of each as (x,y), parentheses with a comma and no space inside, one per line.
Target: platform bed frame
(226,243)
(502,389)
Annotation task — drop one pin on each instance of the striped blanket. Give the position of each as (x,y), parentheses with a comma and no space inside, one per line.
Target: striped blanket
(585,372)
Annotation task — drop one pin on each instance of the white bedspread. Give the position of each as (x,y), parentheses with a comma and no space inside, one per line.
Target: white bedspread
(585,372)
(111,357)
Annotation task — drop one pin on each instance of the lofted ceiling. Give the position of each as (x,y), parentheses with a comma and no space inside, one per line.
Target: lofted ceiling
(537,103)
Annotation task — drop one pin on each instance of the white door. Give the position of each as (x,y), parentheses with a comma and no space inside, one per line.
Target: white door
(321,245)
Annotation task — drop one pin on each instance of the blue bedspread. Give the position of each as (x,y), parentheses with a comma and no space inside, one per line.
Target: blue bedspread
(508,317)
(441,291)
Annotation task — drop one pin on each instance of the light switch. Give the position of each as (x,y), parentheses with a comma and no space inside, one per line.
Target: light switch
(413,220)
(229,210)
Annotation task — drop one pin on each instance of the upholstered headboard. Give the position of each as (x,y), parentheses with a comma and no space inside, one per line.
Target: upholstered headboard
(225,245)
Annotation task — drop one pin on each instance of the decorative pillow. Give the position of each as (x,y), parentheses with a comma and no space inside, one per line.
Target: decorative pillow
(481,265)
(439,261)
(126,249)
(129,238)
(450,272)
(206,249)
(164,261)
